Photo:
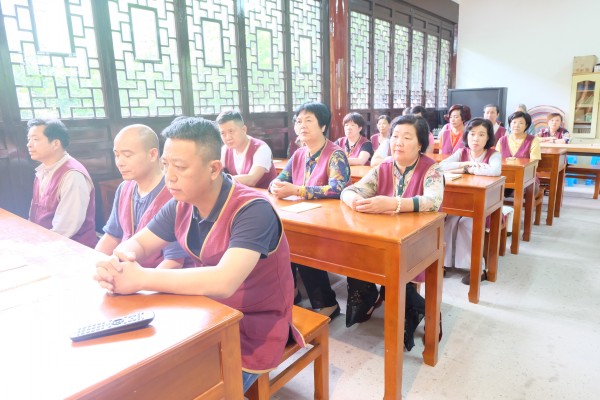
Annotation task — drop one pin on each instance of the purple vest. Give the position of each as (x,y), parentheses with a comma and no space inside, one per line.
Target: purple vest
(356,150)
(446,137)
(43,208)
(499,133)
(466,152)
(247,166)
(126,217)
(375,140)
(265,297)
(320,175)
(385,185)
(545,132)
(523,152)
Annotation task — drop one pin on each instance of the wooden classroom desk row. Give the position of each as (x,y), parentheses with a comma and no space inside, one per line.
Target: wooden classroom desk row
(190,350)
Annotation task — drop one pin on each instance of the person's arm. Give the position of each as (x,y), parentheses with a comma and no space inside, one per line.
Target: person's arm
(535,152)
(452,163)
(170,264)
(339,175)
(433,192)
(107,244)
(173,256)
(261,163)
(113,233)
(493,168)
(74,199)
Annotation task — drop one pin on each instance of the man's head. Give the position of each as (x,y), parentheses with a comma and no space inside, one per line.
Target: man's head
(136,152)
(491,113)
(233,131)
(191,158)
(47,140)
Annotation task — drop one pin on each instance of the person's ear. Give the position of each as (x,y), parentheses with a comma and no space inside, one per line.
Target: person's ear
(153,154)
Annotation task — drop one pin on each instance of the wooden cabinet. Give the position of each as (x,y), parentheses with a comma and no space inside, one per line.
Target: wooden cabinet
(585,101)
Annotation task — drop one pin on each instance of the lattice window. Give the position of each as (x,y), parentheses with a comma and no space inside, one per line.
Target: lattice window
(430,70)
(360,60)
(307,71)
(145,50)
(266,69)
(213,55)
(54,58)
(416,75)
(401,46)
(444,74)
(381,87)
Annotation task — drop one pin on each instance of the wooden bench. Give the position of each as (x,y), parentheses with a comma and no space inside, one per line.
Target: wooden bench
(314,328)
(588,172)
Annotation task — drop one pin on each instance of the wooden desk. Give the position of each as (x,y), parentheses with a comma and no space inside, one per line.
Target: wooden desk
(554,164)
(191,349)
(590,149)
(477,197)
(356,171)
(520,176)
(388,250)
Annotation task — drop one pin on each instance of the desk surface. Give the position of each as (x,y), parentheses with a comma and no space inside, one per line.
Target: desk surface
(50,291)
(577,149)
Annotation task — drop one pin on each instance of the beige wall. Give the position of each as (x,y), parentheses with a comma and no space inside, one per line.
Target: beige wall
(525,45)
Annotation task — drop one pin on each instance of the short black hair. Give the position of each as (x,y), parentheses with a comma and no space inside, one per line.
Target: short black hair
(420,124)
(199,130)
(480,122)
(418,110)
(354,117)
(321,112)
(492,105)
(230,115)
(521,114)
(386,117)
(55,129)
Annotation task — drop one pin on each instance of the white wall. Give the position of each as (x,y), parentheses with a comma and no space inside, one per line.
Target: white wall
(525,45)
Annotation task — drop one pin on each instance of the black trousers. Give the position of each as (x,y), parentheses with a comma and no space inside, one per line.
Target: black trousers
(317,286)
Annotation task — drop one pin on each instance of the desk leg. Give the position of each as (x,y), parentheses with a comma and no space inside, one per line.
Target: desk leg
(528,212)
(559,192)
(476,255)
(434,277)
(552,197)
(393,332)
(494,245)
(518,205)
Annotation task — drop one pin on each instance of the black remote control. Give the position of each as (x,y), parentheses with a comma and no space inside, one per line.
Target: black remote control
(116,325)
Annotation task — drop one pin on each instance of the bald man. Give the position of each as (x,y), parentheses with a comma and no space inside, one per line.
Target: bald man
(140,196)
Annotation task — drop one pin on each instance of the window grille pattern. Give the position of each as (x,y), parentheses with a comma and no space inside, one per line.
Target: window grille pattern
(382,45)
(266,70)
(430,70)
(444,74)
(360,60)
(54,85)
(416,80)
(401,47)
(147,87)
(306,50)
(213,55)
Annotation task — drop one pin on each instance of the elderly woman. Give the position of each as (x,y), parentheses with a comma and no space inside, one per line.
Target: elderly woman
(478,157)
(383,126)
(357,147)
(451,134)
(408,181)
(317,170)
(554,133)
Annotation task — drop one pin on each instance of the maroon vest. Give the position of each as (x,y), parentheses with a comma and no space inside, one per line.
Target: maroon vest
(545,132)
(320,175)
(523,152)
(126,217)
(247,166)
(356,150)
(265,297)
(446,137)
(375,140)
(43,208)
(501,132)
(466,152)
(385,185)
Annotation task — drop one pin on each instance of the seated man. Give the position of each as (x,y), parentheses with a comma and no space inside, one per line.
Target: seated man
(233,234)
(63,192)
(249,160)
(140,196)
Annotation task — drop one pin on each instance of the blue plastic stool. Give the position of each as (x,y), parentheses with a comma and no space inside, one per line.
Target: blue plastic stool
(571,182)
(573,159)
(595,160)
(589,182)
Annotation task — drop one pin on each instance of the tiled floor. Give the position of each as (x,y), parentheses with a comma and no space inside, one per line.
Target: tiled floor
(535,333)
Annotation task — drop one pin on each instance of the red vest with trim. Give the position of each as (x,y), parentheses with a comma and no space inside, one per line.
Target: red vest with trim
(247,166)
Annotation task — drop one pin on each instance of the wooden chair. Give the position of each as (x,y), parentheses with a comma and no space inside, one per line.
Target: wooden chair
(314,328)
(586,172)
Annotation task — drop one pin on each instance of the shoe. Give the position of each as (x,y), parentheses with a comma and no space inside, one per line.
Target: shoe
(333,314)
(467,278)
(380,298)
(297,298)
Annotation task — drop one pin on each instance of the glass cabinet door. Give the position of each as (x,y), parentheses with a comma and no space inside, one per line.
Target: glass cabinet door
(585,108)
